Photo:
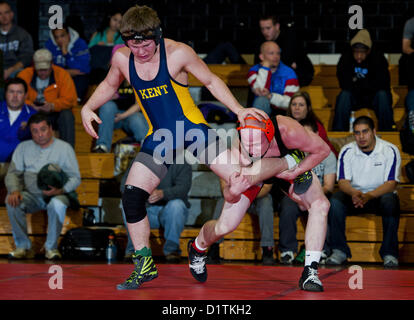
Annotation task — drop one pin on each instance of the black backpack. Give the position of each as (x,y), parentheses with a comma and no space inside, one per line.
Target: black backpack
(85,243)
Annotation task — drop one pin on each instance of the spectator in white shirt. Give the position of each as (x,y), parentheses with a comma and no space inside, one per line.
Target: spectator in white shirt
(368,174)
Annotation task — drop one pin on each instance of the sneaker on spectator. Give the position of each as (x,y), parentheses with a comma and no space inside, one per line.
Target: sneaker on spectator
(20,253)
(324,256)
(53,254)
(100,148)
(336,258)
(390,261)
(267,256)
(173,257)
(286,257)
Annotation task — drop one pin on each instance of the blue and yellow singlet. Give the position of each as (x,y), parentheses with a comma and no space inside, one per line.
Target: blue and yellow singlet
(163,102)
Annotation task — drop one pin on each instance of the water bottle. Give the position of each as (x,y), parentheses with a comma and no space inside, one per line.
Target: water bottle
(111,250)
(411,120)
(351,121)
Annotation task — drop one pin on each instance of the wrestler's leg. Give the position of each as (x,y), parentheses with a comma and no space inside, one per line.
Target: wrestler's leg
(143,178)
(317,205)
(230,218)
(140,183)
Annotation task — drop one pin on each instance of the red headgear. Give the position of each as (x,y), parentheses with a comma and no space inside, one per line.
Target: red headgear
(269,129)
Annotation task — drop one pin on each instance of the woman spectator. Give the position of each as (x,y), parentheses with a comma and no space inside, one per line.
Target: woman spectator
(108,32)
(300,109)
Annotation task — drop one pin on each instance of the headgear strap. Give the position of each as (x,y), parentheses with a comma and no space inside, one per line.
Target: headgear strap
(156,36)
(269,129)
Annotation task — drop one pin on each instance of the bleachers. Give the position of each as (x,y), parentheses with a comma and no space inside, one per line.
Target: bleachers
(364,233)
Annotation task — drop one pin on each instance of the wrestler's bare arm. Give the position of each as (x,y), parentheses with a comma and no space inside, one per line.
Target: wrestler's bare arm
(103,93)
(111,83)
(295,136)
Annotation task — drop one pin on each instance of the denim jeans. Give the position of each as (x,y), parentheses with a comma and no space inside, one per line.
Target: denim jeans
(263,208)
(135,125)
(64,122)
(347,101)
(262,103)
(409,100)
(388,206)
(56,212)
(222,51)
(289,213)
(81,84)
(171,218)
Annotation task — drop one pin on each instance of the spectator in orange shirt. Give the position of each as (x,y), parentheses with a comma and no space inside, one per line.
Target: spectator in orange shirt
(51,90)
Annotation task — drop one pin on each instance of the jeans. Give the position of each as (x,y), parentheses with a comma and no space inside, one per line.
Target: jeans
(171,218)
(263,208)
(222,51)
(347,101)
(388,206)
(289,213)
(81,84)
(262,103)
(64,122)
(409,100)
(56,212)
(134,125)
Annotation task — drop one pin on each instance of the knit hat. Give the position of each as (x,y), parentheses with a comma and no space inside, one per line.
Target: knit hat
(362,37)
(42,59)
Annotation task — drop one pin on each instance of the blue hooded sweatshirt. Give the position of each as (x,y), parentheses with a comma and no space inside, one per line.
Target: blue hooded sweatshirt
(78,56)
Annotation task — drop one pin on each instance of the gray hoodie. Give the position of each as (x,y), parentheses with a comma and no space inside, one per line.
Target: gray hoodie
(17,45)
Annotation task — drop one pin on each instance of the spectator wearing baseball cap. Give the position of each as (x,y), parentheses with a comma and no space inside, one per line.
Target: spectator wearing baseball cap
(364,78)
(51,90)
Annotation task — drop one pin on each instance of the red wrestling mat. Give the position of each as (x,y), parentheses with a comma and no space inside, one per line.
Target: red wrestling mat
(226,282)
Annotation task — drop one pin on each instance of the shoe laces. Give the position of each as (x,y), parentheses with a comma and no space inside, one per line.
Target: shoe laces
(302,177)
(131,278)
(313,276)
(198,264)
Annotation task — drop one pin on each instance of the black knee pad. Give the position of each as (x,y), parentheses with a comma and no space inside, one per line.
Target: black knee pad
(133,201)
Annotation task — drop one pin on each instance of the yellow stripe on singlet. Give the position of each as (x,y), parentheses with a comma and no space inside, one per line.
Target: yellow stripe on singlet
(190,110)
(151,128)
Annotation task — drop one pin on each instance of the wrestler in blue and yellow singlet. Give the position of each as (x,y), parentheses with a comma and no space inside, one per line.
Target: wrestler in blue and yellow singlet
(163,102)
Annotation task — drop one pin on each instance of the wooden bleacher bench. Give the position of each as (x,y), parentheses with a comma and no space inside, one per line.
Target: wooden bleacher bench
(92,166)
(364,235)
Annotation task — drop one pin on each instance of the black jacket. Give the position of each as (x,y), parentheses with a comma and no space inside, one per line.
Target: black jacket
(53,175)
(366,78)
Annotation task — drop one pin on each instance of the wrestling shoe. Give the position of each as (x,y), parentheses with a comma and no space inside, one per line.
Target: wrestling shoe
(309,280)
(197,263)
(145,270)
(303,181)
